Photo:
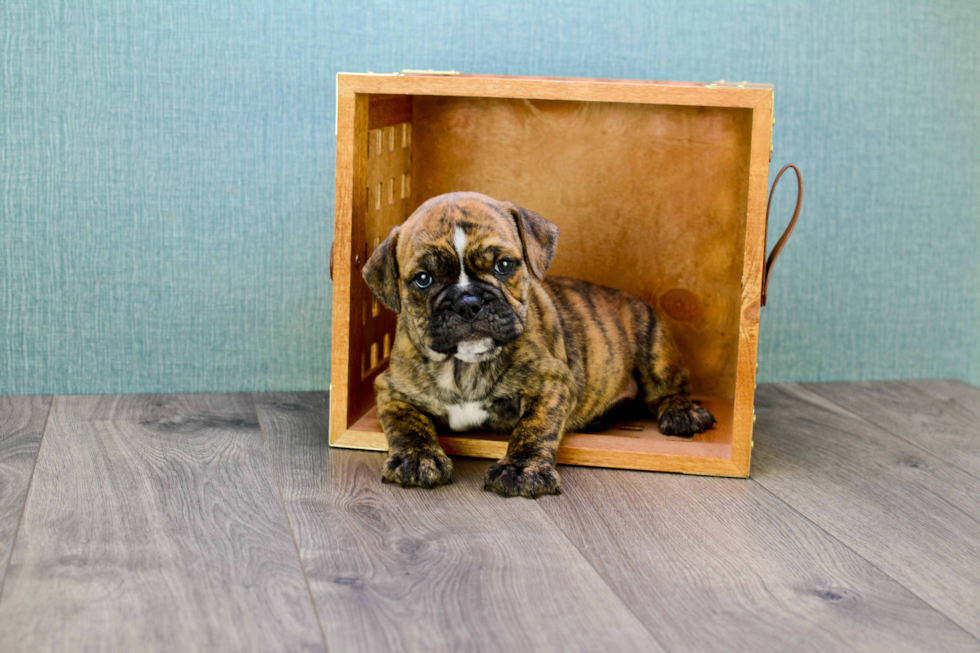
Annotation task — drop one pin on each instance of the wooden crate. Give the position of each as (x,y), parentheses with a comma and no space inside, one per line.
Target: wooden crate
(659,189)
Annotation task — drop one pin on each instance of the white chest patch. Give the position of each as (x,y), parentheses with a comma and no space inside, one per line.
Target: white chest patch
(466,415)
(459,242)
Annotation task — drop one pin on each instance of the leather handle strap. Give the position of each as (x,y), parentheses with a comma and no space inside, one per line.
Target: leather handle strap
(789,229)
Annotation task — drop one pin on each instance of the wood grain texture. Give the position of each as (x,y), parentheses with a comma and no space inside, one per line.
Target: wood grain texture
(906,511)
(154,523)
(578,136)
(605,455)
(22,422)
(558,88)
(454,568)
(723,565)
(940,416)
(948,389)
(345,354)
(754,263)
(704,453)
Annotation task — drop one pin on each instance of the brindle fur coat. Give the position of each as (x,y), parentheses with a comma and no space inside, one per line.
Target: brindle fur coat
(485,340)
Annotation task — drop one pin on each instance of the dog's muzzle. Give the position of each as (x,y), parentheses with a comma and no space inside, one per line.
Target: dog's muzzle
(472,312)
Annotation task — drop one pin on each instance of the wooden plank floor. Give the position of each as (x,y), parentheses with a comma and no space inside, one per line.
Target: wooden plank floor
(154,522)
(22,421)
(225,522)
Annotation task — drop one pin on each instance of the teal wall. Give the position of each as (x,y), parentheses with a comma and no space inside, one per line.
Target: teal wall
(166,173)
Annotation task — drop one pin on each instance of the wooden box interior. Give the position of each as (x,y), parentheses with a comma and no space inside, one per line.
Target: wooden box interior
(650,198)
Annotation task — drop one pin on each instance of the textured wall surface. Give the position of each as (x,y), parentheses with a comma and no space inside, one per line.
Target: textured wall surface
(166,173)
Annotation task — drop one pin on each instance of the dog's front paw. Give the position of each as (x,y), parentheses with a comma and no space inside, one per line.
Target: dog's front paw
(422,468)
(527,477)
(681,416)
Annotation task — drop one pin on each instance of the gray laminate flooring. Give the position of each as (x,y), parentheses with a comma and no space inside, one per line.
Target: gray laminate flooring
(224,522)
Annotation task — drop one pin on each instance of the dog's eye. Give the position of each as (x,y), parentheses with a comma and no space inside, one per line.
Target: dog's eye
(504,266)
(422,280)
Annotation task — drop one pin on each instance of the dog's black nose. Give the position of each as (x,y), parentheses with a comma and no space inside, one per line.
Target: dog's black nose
(467,306)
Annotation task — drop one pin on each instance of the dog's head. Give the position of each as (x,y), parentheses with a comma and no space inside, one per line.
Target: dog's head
(459,269)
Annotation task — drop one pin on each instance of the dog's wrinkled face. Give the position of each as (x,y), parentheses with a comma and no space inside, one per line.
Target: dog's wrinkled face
(459,269)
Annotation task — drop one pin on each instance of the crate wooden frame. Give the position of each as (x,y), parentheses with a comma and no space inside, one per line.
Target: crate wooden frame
(381,104)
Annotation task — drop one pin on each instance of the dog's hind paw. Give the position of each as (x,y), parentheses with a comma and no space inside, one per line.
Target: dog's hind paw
(679,415)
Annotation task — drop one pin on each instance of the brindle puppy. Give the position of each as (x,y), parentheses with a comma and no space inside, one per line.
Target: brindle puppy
(485,340)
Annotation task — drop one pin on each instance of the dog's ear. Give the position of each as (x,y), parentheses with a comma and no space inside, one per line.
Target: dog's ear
(539,238)
(381,272)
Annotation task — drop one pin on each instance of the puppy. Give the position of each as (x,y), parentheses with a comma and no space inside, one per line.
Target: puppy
(485,340)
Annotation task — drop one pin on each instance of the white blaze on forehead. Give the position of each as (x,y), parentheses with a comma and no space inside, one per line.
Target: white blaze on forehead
(459,242)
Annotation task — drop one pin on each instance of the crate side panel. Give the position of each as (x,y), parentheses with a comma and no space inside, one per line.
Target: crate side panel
(384,197)
(351,123)
(755,246)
